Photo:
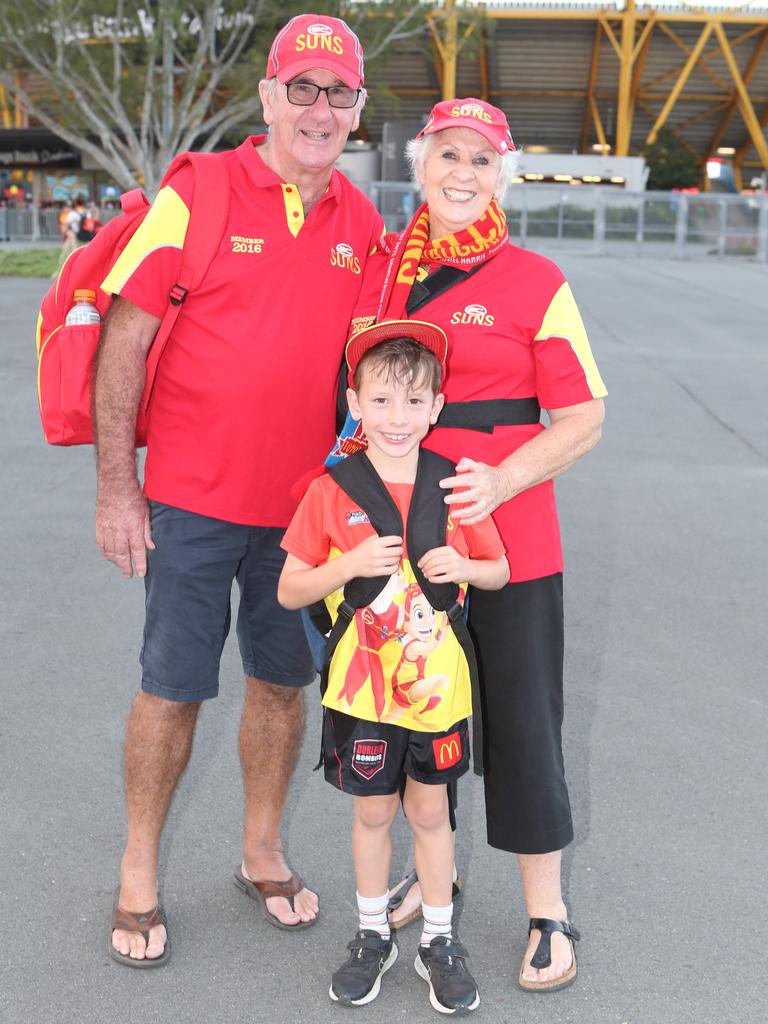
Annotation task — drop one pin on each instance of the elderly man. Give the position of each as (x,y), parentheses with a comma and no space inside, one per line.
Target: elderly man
(252,359)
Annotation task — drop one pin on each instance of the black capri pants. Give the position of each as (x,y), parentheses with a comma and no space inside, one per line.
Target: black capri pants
(518,634)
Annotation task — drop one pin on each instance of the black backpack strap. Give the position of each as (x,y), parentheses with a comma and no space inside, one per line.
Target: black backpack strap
(435,284)
(359,480)
(427,523)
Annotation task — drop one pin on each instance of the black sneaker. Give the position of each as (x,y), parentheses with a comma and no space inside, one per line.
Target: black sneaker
(359,980)
(442,964)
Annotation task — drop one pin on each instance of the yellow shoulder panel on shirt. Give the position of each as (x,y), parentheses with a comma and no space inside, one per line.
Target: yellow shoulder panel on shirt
(563,320)
(164,226)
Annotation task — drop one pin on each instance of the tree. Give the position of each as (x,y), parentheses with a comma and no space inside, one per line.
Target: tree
(671,162)
(132,83)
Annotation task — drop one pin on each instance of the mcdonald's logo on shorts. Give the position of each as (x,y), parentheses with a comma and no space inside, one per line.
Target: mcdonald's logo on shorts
(447,750)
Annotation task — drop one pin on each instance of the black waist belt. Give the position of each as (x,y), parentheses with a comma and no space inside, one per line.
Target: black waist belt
(486,414)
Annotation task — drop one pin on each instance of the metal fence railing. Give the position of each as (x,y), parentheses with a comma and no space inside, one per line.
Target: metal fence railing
(603,221)
(614,222)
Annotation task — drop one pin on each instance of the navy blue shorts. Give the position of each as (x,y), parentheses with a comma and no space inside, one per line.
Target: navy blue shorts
(188,588)
(374,758)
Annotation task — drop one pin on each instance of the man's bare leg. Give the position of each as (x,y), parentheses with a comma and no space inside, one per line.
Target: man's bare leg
(271,731)
(158,741)
(543,898)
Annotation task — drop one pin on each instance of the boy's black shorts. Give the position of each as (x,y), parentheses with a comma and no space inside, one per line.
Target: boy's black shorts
(372,758)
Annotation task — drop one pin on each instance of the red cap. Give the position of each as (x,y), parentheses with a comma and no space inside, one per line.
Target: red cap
(316,41)
(471,113)
(426,334)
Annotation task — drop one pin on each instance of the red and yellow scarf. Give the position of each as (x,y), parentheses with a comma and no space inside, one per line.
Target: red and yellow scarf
(473,245)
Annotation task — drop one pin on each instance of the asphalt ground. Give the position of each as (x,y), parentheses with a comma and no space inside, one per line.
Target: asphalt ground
(666,543)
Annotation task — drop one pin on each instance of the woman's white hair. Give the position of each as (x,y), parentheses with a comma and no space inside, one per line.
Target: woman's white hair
(416,153)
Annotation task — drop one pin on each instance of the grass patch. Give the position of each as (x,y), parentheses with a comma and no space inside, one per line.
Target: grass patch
(28,262)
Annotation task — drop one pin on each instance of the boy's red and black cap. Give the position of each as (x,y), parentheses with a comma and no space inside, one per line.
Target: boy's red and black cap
(429,335)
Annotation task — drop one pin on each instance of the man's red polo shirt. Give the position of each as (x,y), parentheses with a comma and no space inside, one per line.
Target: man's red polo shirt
(243,403)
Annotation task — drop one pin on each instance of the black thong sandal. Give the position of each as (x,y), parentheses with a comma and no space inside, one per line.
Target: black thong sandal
(542,957)
(403,888)
(141,923)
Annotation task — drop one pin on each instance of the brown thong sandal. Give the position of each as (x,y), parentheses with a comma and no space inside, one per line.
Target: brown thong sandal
(261,892)
(542,957)
(401,891)
(141,923)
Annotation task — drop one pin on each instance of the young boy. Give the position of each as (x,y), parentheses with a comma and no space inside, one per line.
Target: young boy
(398,693)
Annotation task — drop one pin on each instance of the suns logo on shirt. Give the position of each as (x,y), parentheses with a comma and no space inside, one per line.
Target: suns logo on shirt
(343,255)
(242,244)
(356,517)
(473,314)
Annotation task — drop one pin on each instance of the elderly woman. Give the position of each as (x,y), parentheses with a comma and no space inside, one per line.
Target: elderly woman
(517,344)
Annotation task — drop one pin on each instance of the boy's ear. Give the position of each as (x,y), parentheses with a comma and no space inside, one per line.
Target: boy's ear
(352,402)
(437,408)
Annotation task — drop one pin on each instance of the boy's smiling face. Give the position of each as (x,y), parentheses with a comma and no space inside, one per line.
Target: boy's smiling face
(395,416)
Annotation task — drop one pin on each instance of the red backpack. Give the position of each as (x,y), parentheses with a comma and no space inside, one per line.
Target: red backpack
(65,353)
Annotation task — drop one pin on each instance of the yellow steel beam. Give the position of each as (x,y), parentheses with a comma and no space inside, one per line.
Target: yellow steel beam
(693,17)
(745,147)
(754,60)
(19,113)
(624,109)
(700,97)
(703,115)
(599,127)
(705,57)
(485,82)
(671,34)
(5,110)
(594,67)
(679,84)
(745,103)
(603,20)
(641,52)
(642,42)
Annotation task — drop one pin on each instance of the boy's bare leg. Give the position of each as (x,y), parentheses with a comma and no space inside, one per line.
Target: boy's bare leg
(158,741)
(543,898)
(271,731)
(372,842)
(426,808)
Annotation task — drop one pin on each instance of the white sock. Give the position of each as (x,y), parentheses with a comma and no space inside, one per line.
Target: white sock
(373,914)
(437,921)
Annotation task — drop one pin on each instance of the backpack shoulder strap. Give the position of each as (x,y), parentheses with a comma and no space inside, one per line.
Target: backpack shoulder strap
(207,217)
(207,220)
(435,284)
(428,522)
(427,526)
(360,481)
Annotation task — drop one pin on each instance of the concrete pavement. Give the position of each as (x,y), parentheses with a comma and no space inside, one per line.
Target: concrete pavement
(666,543)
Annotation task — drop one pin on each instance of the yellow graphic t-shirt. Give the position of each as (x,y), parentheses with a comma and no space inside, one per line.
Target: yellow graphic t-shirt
(399,660)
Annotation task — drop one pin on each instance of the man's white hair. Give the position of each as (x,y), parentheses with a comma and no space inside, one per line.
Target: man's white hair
(416,151)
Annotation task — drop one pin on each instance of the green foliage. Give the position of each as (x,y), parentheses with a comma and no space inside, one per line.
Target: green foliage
(671,163)
(28,262)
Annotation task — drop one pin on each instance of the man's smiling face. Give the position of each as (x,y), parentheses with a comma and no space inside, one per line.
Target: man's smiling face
(306,139)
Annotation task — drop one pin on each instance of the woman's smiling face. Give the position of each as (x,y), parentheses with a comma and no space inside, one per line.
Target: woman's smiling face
(459,175)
